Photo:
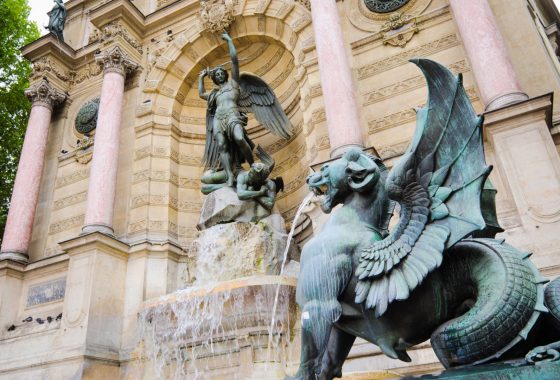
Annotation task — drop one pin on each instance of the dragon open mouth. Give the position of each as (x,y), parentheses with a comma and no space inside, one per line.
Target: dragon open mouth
(320,189)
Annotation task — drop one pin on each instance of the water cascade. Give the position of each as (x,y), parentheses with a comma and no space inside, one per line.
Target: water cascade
(235,318)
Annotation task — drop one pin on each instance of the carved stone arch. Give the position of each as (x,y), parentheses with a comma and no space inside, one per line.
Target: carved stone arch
(292,29)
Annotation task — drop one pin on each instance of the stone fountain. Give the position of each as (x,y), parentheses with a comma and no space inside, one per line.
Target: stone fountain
(234,318)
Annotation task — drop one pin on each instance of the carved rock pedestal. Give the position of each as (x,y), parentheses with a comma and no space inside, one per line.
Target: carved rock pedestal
(223,206)
(240,249)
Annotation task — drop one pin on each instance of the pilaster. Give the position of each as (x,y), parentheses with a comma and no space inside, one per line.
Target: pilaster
(527,169)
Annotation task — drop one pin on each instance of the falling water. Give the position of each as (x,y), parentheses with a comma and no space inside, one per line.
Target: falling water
(191,332)
(300,209)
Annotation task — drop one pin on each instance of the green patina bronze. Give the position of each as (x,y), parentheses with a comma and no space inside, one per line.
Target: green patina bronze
(86,119)
(385,6)
(438,274)
(57,19)
(228,145)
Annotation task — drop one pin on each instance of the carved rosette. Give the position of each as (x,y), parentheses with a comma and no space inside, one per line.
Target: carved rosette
(44,94)
(115,60)
(217,15)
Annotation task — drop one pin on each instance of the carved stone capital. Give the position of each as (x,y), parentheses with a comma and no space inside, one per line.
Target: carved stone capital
(44,94)
(115,60)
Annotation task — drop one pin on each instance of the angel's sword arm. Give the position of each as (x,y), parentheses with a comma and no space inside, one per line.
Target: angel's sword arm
(201,90)
(234,60)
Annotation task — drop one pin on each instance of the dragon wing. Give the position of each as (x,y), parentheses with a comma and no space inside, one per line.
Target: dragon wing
(438,184)
(257,97)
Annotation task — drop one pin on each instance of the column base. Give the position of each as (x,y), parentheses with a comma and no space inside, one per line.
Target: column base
(340,150)
(506,100)
(17,256)
(98,227)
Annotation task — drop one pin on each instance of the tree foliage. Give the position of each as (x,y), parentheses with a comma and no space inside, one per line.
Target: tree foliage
(15,31)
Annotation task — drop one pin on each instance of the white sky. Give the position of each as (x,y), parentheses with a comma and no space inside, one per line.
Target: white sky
(39,9)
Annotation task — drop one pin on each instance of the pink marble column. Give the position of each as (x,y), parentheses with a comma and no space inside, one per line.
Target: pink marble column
(103,174)
(21,215)
(487,53)
(343,121)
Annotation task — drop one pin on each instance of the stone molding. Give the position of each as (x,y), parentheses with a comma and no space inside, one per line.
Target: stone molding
(115,60)
(44,94)
(396,60)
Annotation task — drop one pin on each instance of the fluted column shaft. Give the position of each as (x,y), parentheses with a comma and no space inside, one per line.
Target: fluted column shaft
(19,225)
(343,122)
(487,53)
(103,175)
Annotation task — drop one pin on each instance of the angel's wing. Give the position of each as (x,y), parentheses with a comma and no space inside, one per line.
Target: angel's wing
(438,183)
(257,97)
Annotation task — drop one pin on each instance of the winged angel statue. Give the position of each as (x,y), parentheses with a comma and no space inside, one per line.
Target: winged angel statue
(435,274)
(227,144)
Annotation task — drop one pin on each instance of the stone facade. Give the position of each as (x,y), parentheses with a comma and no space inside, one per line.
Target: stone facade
(148,53)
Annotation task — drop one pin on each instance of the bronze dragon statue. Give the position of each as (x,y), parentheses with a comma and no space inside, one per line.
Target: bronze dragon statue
(434,275)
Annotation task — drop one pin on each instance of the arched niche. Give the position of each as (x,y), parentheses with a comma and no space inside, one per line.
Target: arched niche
(273,45)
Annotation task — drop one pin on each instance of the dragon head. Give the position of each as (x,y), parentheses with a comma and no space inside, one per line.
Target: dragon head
(354,172)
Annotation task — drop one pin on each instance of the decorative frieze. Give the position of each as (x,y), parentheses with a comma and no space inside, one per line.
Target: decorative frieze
(86,72)
(112,30)
(74,177)
(66,224)
(396,60)
(407,85)
(70,200)
(44,94)
(165,200)
(403,117)
(46,65)
(115,60)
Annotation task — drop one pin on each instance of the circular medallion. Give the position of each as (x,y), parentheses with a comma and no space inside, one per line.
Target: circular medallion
(384,6)
(86,120)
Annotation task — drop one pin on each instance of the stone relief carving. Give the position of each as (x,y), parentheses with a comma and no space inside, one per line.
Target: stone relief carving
(114,29)
(87,71)
(70,200)
(46,65)
(116,60)
(217,15)
(45,94)
(399,29)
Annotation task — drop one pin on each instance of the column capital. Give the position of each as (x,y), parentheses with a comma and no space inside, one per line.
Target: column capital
(43,93)
(115,60)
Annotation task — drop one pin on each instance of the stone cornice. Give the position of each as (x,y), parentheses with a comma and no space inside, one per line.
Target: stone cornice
(115,60)
(123,10)
(45,94)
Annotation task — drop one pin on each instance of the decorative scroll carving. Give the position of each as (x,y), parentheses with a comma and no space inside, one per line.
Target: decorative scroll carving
(399,29)
(85,150)
(70,200)
(305,3)
(115,29)
(46,65)
(217,15)
(117,61)
(45,94)
(72,178)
